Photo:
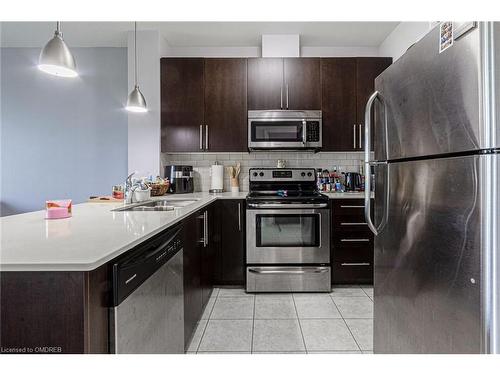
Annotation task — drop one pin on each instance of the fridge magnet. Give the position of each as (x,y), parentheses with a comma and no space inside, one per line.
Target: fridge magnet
(445,35)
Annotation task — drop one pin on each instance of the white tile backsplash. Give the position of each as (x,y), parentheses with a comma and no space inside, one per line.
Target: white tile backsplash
(201,162)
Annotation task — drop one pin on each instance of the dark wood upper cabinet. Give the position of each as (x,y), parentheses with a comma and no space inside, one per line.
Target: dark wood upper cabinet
(226,104)
(346,85)
(265,83)
(302,83)
(338,103)
(182,104)
(291,83)
(368,68)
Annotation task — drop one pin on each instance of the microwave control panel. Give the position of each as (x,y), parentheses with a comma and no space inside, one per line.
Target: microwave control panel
(312,131)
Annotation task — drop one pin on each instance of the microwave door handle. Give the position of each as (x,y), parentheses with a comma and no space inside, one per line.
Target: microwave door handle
(304,132)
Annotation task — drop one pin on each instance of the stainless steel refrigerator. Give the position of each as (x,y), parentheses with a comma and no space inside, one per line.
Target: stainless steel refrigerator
(436,139)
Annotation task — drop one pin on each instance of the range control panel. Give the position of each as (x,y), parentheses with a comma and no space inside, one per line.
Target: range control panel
(282,174)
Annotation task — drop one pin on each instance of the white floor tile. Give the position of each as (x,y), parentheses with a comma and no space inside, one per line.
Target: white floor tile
(362,329)
(327,335)
(233,308)
(233,292)
(277,335)
(316,307)
(347,292)
(354,307)
(227,335)
(275,307)
(197,335)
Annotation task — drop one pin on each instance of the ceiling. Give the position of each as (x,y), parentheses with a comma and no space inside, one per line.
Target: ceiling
(199,34)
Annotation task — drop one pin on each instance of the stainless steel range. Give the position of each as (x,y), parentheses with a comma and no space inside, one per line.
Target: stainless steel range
(288,232)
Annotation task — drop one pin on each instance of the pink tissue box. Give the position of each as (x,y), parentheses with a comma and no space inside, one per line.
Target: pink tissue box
(58,209)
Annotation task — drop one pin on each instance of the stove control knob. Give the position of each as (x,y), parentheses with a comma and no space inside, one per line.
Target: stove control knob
(303,174)
(255,174)
(309,174)
(261,174)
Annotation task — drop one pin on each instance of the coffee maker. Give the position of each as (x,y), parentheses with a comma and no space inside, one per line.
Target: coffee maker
(181,178)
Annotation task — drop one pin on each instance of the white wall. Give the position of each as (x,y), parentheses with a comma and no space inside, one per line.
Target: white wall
(402,37)
(172,51)
(144,131)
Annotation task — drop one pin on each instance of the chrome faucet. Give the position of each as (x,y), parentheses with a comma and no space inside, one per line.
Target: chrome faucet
(129,189)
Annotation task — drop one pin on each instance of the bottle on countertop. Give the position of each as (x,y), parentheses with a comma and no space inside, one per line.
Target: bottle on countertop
(319,179)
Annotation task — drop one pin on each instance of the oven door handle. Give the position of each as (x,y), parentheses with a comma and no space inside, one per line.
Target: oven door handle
(295,271)
(285,205)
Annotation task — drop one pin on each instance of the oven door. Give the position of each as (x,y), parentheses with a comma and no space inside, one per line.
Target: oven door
(276,133)
(288,236)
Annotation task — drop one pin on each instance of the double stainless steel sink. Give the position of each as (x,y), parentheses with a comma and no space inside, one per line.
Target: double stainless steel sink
(158,205)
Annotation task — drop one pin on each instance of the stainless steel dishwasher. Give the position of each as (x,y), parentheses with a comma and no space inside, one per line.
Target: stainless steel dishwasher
(148,303)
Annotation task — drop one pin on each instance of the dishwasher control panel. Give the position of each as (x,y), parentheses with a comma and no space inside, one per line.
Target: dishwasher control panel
(141,262)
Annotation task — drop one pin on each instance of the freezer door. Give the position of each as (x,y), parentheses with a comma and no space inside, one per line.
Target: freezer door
(432,100)
(428,258)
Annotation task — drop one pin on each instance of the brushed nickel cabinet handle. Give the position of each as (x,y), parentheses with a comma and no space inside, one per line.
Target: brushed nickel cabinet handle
(206,137)
(201,137)
(287,96)
(360,136)
(281,96)
(239,217)
(354,240)
(347,206)
(353,224)
(354,136)
(355,264)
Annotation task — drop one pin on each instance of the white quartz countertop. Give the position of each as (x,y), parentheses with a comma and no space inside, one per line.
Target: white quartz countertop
(94,235)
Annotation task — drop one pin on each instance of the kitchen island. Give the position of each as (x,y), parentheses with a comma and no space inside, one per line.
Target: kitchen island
(56,276)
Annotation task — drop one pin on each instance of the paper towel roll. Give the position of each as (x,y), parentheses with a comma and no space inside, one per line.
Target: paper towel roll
(217,177)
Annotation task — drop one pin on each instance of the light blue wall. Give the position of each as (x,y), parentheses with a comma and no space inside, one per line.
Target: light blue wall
(61,137)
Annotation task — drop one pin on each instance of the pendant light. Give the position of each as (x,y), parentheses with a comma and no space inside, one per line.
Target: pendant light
(56,58)
(136,101)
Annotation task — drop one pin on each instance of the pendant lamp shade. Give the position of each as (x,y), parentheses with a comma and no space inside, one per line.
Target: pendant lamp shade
(136,101)
(56,58)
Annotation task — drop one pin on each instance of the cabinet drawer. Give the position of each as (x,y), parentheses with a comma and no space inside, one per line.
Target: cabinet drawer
(352,272)
(350,224)
(352,253)
(363,238)
(348,207)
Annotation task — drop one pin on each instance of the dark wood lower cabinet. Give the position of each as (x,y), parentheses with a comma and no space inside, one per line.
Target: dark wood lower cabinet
(352,243)
(193,292)
(54,312)
(232,242)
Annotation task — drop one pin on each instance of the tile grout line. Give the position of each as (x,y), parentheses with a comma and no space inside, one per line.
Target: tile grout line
(347,325)
(300,325)
(208,321)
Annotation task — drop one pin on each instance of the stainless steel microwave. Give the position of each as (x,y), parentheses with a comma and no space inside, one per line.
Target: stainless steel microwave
(284,130)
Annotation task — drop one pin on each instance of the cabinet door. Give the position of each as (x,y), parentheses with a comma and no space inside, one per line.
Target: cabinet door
(338,103)
(193,303)
(302,84)
(368,68)
(182,104)
(265,83)
(226,104)
(232,246)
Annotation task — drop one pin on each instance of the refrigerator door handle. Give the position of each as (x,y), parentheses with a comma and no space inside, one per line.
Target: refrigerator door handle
(368,163)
